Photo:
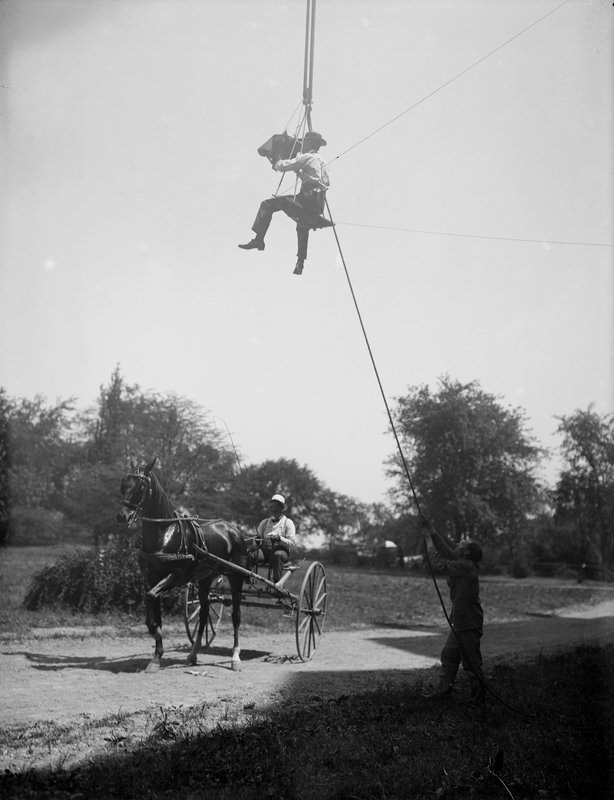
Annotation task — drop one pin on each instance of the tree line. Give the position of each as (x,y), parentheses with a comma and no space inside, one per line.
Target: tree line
(472,462)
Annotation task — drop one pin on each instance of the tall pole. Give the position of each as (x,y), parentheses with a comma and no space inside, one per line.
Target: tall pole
(310,26)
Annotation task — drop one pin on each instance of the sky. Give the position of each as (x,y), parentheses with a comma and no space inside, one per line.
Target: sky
(470,152)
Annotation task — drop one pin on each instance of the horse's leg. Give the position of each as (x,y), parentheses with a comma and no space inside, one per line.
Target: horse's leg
(204,585)
(236,587)
(153,617)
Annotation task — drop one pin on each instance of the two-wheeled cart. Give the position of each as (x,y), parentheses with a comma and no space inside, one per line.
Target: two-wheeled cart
(308,607)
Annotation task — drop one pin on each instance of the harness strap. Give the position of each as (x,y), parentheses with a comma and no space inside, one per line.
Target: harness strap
(165,556)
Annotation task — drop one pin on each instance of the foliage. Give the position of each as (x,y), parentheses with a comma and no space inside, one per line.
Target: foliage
(314,507)
(555,743)
(36,526)
(471,461)
(5,463)
(91,580)
(259,482)
(128,423)
(382,525)
(36,451)
(584,494)
(69,463)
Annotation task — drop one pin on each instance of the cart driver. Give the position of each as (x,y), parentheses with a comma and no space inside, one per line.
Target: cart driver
(278,537)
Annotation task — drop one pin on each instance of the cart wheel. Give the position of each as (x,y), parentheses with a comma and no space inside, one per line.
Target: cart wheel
(311,611)
(192,610)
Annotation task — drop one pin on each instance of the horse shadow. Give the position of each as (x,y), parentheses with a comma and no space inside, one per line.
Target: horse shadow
(43,662)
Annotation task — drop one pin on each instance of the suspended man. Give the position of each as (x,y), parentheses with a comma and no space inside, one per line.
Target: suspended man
(306,207)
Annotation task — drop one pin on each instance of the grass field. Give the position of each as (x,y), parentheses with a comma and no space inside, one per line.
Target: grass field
(357,598)
(557,743)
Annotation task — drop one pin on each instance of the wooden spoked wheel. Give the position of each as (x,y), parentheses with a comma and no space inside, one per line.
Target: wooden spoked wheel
(192,610)
(311,611)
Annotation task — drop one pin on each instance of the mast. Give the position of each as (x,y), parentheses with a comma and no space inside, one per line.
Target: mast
(310,26)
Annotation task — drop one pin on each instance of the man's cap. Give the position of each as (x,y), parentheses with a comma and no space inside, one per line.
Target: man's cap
(279,498)
(313,136)
(475,552)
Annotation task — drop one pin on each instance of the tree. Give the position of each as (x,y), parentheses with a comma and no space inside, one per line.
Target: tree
(259,482)
(36,451)
(471,461)
(584,494)
(39,449)
(5,465)
(314,507)
(383,525)
(128,423)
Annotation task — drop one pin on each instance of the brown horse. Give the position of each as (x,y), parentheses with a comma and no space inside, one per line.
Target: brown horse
(172,555)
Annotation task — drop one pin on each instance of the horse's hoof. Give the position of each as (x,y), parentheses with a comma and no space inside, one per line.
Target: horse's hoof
(236,666)
(152,667)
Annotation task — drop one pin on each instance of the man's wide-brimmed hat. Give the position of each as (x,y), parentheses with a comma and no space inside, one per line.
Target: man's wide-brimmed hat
(314,138)
(279,498)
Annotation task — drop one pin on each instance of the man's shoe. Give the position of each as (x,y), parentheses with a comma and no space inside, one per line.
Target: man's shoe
(255,244)
(298,270)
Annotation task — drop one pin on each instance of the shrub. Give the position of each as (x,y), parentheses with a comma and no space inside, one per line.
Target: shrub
(96,580)
(519,568)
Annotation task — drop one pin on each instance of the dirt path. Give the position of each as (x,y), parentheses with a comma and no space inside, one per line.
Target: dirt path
(69,696)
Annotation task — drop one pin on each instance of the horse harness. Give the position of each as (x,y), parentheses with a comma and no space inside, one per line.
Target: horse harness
(186,524)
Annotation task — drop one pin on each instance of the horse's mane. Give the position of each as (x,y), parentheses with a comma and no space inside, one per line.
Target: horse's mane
(160,499)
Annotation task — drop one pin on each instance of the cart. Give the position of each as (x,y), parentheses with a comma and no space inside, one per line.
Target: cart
(308,607)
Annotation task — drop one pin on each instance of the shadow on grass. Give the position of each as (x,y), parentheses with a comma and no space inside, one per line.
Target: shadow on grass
(383,742)
(542,634)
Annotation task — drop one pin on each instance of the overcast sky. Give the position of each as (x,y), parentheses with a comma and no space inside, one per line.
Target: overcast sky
(476,227)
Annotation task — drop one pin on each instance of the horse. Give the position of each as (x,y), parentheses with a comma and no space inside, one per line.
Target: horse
(174,552)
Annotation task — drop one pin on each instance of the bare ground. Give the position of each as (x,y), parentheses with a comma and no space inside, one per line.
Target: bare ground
(68,695)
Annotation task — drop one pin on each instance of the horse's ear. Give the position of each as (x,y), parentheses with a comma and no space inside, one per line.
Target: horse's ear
(133,465)
(149,467)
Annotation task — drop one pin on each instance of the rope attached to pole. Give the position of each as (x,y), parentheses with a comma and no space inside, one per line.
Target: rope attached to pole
(379,382)
(425,520)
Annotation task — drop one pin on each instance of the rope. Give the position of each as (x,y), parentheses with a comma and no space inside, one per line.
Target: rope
(450,80)
(404,462)
(241,473)
(298,134)
(374,365)
(292,115)
(477,236)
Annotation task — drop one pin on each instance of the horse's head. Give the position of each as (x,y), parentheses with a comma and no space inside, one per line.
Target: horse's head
(135,489)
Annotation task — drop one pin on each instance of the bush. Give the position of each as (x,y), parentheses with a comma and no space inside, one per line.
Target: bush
(97,580)
(519,569)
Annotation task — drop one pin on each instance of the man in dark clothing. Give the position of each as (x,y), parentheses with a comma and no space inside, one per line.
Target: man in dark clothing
(461,566)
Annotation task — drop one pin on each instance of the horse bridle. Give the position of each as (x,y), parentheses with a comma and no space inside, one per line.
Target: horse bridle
(144,484)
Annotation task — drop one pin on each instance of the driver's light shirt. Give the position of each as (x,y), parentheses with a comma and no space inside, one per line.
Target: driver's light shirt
(282,527)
